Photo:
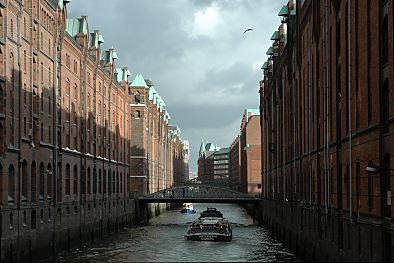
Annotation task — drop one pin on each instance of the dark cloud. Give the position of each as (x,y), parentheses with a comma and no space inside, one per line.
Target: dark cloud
(205,69)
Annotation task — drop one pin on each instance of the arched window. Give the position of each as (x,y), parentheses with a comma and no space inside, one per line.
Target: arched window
(137,114)
(68,179)
(117,182)
(12,28)
(75,184)
(49,181)
(113,182)
(68,87)
(11,183)
(99,182)
(24,61)
(25,94)
(42,182)
(109,182)
(121,183)
(76,91)
(12,82)
(24,27)
(33,183)
(33,218)
(59,182)
(24,180)
(89,183)
(94,181)
(83,180)
(104,181)
(370,190)
(358,188)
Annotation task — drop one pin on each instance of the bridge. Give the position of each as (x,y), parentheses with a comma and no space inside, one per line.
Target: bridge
(197,193)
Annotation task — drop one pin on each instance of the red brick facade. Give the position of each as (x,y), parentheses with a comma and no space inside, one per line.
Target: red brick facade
(330,75)
(67,125)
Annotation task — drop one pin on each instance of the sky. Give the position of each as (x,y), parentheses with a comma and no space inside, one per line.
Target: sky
(203,66)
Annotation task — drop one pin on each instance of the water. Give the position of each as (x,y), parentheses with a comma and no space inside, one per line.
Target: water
(163,241)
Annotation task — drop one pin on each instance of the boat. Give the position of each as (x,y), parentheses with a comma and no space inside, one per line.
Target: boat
(210,226)
(187,208)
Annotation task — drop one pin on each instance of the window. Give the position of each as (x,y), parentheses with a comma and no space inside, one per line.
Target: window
(89,183)
(12,28)
(137,114)
(24,127)
(370,190)
(33,218)
(99,182)
(24,180)
(94,181)
(49,181)
(42,73)
(75,184)
(33,186)
(11,183)
(24,27)
(25,61)
(49,105)
(105,181)
(42,101)
(59,183)
(67,179)
(42,181)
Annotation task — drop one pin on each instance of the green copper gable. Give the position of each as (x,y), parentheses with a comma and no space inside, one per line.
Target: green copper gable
(139,82)
(270,51)
(275,36)
(284,11)
(265,66)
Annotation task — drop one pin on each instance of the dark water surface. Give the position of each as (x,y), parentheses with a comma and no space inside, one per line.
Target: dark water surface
(163,241)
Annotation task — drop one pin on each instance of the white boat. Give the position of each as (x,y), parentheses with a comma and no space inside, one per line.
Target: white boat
(187,208)
(210,226)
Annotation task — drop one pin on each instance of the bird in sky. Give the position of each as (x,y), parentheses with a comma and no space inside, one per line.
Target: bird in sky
(249,29)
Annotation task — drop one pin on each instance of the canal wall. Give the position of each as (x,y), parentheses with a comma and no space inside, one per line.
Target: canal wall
(314,235)
(68,228)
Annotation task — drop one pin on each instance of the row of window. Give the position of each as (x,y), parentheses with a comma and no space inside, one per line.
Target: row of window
(33,214)
(90,182)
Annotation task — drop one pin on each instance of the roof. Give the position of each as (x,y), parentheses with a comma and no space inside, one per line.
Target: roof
(270,51)
(74,26)
(139,81)
(253,112)
(284,11)
(275,36)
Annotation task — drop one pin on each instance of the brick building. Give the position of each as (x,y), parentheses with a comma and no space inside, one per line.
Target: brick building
(206,161)
(327,128)
(235,164)
(250,152)
(245,155)
(67,133)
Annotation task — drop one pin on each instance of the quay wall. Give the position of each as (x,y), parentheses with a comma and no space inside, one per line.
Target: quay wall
(314,235)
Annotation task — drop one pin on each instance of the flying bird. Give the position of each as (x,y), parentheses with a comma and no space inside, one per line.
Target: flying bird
(249,29)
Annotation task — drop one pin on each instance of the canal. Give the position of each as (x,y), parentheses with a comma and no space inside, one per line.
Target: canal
(162,241)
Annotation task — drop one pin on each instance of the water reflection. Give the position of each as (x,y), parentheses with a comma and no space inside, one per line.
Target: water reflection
(163,241)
